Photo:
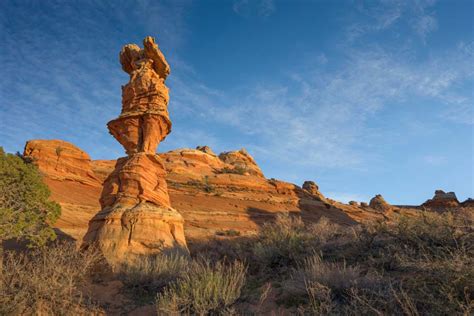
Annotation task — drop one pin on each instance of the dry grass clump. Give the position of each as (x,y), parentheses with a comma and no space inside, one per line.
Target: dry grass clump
(282,244)
(46,281)
(205,289)
(148,275)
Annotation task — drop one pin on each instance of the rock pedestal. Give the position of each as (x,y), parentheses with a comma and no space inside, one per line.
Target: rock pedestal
(136,216)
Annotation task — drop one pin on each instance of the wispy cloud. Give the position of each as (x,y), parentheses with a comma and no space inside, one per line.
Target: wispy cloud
(383,15)
(323,120)
(70,87)
(246,8)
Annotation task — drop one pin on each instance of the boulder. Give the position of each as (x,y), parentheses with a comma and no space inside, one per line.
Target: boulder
(442,200)
(379,204)
(241,159)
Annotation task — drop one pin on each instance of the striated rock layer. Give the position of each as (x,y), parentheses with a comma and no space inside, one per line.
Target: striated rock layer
(136,217)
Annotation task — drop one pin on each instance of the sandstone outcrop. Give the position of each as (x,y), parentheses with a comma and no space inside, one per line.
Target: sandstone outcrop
(313,189)
(61,160)
(242,160)
(379,204)
(442,199)
(136,217)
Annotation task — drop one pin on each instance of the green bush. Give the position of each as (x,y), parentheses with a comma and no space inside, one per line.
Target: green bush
(204,290)
(236,170)
(25,211)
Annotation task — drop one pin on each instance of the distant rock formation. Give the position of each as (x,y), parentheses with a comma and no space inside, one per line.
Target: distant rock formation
(379,204)
(313,189)
(61,160)
(443,200)
(136,216)
(242,159)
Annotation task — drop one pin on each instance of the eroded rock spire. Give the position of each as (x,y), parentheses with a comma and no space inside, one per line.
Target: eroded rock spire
(136,216)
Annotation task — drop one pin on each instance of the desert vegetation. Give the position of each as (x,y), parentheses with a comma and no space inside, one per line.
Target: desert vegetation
(410,266)
(26,213)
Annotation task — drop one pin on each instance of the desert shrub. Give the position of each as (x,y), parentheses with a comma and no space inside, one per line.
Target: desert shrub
(46,281)
(408,265)
(217,249)
(205,289)
(203,185)
(338,276)
(280,245)
(236,170)
(228,232)
(148,275)
(25,211)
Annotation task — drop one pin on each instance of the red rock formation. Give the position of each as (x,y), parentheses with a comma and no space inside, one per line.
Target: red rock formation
(136,216)
(442,200)
(241,159)
(61,160)
(379,204)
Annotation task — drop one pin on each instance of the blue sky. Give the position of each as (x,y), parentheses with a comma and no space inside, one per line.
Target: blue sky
(363,97)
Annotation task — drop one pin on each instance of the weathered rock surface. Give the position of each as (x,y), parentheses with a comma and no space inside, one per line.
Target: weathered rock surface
(136,217)
(442,199)
(61,160)
(241,159)
(312,189)
(123,232)
(379,204)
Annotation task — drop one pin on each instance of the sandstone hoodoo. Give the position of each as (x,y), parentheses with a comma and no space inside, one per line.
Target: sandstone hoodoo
(442,199)
(136,217)
(379,204)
